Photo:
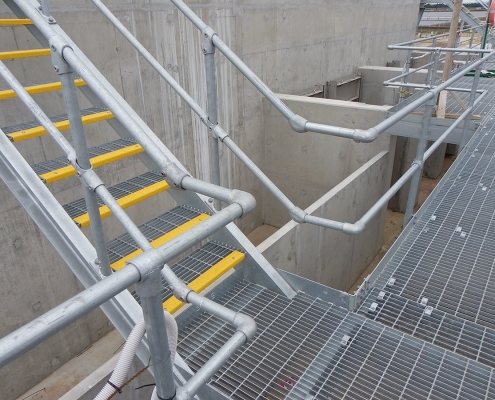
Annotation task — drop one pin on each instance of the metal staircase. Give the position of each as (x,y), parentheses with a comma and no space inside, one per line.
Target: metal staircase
(304,346)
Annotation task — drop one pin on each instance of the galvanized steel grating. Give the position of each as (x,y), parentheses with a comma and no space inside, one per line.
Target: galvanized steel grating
(448,257)
(51,165)
(308,349)
(195,264)
(78,207)
(431,325)
(124,245)
(56,118)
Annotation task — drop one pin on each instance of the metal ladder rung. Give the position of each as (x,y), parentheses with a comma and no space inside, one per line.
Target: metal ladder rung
(29,133)
(15,22)
(12,55)
(37,89)
(138,193)
(117,265)
(199,284)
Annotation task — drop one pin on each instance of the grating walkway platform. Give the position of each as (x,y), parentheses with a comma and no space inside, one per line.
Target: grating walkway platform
(308,349)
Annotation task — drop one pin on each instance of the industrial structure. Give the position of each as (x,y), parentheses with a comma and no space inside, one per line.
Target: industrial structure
(196,140)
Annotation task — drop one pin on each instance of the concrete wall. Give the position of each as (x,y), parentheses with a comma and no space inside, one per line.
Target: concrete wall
(327,256)
(306,165)
(291,46)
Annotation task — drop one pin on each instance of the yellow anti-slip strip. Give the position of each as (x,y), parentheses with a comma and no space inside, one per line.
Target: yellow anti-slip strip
(83,220)
(9,55)
(206,279)
(14,22)
(117,265)
(98,161)
(37,89)
(61,126)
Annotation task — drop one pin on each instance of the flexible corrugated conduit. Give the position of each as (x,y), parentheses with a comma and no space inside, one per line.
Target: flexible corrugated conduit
(119,374)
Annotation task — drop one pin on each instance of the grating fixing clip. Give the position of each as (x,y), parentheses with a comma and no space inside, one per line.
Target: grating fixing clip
(391,282)
(433,217)
(373,307)
(381,296)
(345,340)
(428,310)
(424,301)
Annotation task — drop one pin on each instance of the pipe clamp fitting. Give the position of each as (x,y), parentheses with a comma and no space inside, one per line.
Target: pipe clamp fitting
(207,45)
(298,123)
(298,215)
(245,200)
(174,175)
(354,229)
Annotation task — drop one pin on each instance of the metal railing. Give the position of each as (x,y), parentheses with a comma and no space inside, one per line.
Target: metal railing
(210,42)
(145,270)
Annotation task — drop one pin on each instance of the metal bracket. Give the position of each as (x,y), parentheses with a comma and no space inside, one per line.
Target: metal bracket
(174,175)
(207,45)
(57,47)
(89,178)
(48,18)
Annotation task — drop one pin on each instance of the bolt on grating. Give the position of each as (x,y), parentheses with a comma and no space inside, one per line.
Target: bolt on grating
(448,257)
(433,326)
(195,264)
(56,163)
(78,207)
(307,349)
(56,118)
(124,245)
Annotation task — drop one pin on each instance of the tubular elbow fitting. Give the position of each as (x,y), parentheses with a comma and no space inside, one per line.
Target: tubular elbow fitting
(174,175)
(245,324)
(354,229)
(245,200)
(298,123)
(365,136)
(298,215)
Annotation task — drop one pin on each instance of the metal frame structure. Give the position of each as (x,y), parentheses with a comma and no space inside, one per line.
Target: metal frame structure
(146,269)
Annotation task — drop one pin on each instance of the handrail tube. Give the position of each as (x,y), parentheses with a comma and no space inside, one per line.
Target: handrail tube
(210,367)
(443,49)
(430,38)
(38,113)
(410,72)
(28,336)
(153,61)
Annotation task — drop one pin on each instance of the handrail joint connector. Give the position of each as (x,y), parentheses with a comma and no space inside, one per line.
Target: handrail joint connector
(57,47)
(298,123)
(174,175)
(207,45)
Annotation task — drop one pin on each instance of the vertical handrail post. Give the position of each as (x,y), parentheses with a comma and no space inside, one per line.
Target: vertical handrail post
(45,8)
(420,151)
(406,77)
(208,49)
(149,292)
(69,90)
(472,97)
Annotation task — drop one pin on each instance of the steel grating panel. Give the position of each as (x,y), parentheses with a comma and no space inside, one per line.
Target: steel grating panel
(124,245)
(448,257)
(57,118)
(78,207)
(195,264)
(433,326)
(51,165)
(307,349)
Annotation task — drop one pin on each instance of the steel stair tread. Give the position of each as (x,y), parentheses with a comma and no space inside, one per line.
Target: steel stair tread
(199,270)
(29,130)
(126,193)
(158,230)
(37,88)
(59,168)
(15,22)
(305,349)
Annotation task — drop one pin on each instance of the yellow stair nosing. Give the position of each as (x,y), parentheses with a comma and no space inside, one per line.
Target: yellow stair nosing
(37,89)
(98,161)
(199,284)
(61,126)
(118,265)
(15,22)
(10,55)
(127,201)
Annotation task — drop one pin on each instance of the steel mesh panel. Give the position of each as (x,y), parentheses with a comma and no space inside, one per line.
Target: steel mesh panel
(51,165)
(448,257)
(124,245)
(307,349)
(195,264)
(433,326)
(78,207)
(56,118)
